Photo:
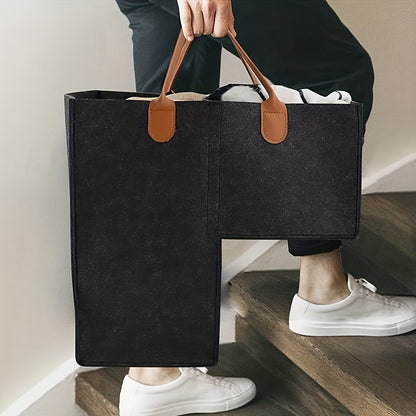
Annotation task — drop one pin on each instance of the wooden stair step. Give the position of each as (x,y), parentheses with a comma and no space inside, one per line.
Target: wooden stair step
(392,280)
(387,239)
(392,216)
(97,391)
(295,386)
(369,376)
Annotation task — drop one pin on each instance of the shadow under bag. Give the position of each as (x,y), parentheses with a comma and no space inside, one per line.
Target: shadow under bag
(154,187)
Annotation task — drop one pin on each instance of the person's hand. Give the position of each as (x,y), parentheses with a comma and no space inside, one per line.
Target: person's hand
(206,17)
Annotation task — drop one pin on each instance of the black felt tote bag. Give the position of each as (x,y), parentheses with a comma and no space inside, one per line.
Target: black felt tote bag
(155,186)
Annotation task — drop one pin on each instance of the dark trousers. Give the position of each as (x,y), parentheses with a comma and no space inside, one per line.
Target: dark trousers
(296,43)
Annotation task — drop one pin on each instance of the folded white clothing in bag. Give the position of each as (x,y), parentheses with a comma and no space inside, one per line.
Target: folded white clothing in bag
(256,94)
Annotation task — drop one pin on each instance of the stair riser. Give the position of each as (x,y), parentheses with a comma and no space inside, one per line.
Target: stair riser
(387,282)
(385,255)
(392,217)
(93,402)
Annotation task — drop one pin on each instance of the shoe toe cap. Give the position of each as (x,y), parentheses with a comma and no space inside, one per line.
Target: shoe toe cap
(409,303)
(242,384)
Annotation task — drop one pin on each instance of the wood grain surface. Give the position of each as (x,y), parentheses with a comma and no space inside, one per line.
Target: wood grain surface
(387,242)
(282,391)
(369,376)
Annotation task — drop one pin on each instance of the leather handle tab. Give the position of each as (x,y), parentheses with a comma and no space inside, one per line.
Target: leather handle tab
(162,111)
(274,120)
(161,122)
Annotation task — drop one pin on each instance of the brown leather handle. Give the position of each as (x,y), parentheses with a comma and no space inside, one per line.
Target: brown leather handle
(162,111)
(178,56)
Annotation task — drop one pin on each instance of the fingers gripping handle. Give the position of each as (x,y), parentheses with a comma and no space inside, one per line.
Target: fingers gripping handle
(162,111)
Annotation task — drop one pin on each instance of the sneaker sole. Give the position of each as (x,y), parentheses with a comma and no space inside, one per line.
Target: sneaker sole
(201,406)
(351,329)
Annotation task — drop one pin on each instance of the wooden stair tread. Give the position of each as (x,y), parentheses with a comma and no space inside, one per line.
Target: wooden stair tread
(97,391)
(369,376)
(295,385)
(274,395)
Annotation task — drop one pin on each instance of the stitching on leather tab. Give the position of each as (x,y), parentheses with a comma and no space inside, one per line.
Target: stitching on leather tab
(172,122)
(268,137)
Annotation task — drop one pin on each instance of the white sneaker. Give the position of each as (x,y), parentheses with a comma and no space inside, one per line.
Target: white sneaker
(363,313)
(192,392)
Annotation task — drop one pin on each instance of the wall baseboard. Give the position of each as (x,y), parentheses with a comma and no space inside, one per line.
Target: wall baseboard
(247,257)
(396,177)
(60,373)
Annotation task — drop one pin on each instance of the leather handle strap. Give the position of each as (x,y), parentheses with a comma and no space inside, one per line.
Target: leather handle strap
(274,120)
(179,53)
(162,111)
(178,56)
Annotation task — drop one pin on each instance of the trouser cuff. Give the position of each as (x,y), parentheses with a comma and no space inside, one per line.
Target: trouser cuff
(300,247)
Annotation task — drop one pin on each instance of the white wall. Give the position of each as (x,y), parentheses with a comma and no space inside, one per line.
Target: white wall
(387,29)
(49,47)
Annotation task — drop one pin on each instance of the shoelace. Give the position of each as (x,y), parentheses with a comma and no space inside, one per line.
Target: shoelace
(202,371)
(196,370)
(369,289)
(366,284)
